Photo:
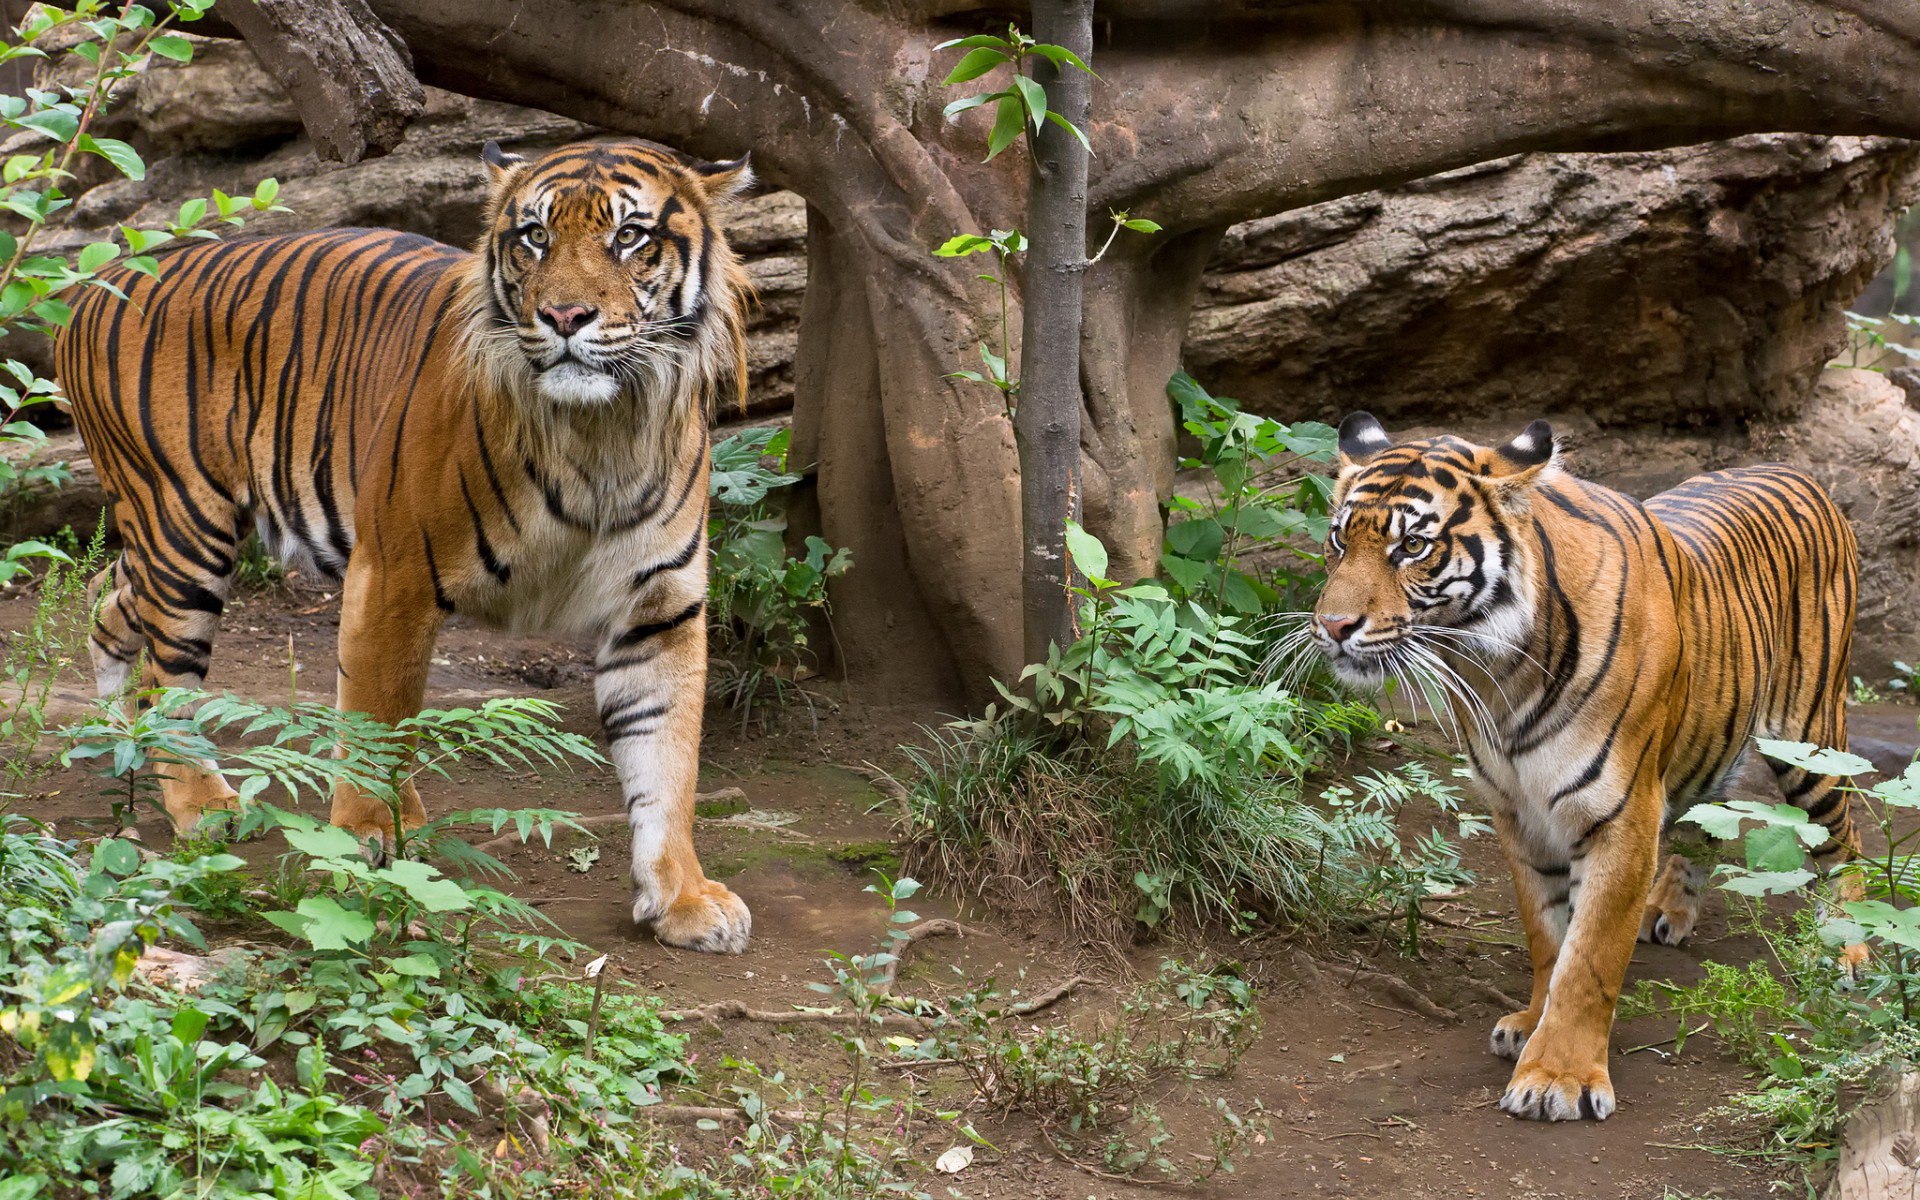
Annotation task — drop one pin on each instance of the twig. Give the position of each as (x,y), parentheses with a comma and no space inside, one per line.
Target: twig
(1704,1026)
(543,901)
(1400,915)
(1333,1137)
(1390,986)
(512,837)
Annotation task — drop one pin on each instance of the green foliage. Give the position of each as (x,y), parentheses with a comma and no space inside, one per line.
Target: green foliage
(1815,1031)
(111,44)
(1905,681)
(1261,492)
(761,602)
(1870,349)
(1022,104)
(312,747)
(37,656)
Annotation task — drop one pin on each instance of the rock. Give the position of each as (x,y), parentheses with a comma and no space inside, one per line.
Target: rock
(1682,287)
(78,504)
(1880,1158)
(1859,438)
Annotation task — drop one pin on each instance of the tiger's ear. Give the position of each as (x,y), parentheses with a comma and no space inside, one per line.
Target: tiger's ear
(1361,437)
(725,180)
(499,161)
(1520,463)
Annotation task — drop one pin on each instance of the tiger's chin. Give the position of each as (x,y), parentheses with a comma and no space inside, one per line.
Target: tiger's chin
(576,384)
(1365,673)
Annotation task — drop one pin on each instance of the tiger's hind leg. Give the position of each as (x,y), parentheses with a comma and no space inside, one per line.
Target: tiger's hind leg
(171,600)
(1673,907)
(117,639)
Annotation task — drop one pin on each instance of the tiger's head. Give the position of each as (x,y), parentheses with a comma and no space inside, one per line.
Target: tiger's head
(604,271)
(1425,549)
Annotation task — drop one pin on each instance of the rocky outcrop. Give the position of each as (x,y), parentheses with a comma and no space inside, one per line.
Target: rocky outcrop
(1681,288)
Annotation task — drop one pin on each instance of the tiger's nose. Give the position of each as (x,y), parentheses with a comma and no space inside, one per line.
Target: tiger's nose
(1338,628)
(568,319)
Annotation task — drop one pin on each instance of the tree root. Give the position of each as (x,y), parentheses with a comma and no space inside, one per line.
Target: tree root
(1390,987)
(1490,992)
(937,927)
(690,1113)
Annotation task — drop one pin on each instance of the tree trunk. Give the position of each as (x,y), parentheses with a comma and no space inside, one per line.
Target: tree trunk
(1047,421)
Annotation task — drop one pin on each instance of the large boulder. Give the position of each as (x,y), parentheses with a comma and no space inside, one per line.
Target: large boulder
(1685,287)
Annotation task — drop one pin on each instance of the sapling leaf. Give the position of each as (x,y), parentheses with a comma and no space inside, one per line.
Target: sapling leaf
(1816,759)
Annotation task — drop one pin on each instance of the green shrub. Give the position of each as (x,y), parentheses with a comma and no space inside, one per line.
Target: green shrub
(762,604)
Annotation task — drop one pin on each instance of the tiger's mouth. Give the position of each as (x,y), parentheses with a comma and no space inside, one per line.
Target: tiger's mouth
(570,380)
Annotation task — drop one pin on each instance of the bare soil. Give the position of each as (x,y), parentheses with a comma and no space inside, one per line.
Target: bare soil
(1367,1099)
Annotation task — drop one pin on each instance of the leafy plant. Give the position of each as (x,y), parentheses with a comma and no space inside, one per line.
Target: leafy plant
(761,602)
(37,656)
(1261,492)
(107,44)
(1868,346)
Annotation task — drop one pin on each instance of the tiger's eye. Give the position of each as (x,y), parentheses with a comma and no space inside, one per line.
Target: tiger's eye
(630,235)
(1413,545)
(537,235)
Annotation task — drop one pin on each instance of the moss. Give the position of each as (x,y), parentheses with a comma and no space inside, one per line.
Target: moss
(866,856)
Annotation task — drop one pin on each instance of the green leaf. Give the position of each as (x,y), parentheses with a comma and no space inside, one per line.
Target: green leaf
(1809,757)
(968,104)
(323,841)
(116,856)
(1007,123)
(1035,98)
(975,63)
(1087,552)
(1141,225)
(420,966)
(117,152)
(1196,538)
(172,46)
(327,926)
(961,244)
(60,123)
(1765,883)
(265,192)
(1058,55)
(97,255)
(423,882)
(977,40)
(1070,127)
(1774,848)
(53,312)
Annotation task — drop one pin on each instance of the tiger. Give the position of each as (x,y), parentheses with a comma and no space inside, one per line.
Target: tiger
(1608,663)
(516,433)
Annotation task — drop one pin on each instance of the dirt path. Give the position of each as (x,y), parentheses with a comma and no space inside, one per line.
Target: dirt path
(1367,1100)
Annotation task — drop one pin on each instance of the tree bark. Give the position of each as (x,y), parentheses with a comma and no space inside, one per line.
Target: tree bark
(1210,113)
(1047,422)
(349,73)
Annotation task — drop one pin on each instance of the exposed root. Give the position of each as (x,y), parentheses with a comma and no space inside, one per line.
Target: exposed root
(896,1013)
(938,927)
(1050,998)
(1490,992)
(1390,987)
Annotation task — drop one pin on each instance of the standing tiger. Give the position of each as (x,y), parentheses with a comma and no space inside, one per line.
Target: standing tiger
(518,434)
(1609,663)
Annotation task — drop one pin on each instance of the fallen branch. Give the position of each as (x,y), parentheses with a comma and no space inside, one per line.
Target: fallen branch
(1390,986)
(736,1010)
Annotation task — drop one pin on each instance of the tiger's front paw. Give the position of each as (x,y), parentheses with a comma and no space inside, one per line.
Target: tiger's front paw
(1542,1092)
(706,917)
(1510,1033)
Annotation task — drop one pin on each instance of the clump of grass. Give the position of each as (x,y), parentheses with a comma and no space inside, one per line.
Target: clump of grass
(1015,817)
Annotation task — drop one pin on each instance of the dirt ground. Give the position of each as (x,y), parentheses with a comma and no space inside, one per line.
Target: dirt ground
(1367,1100)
